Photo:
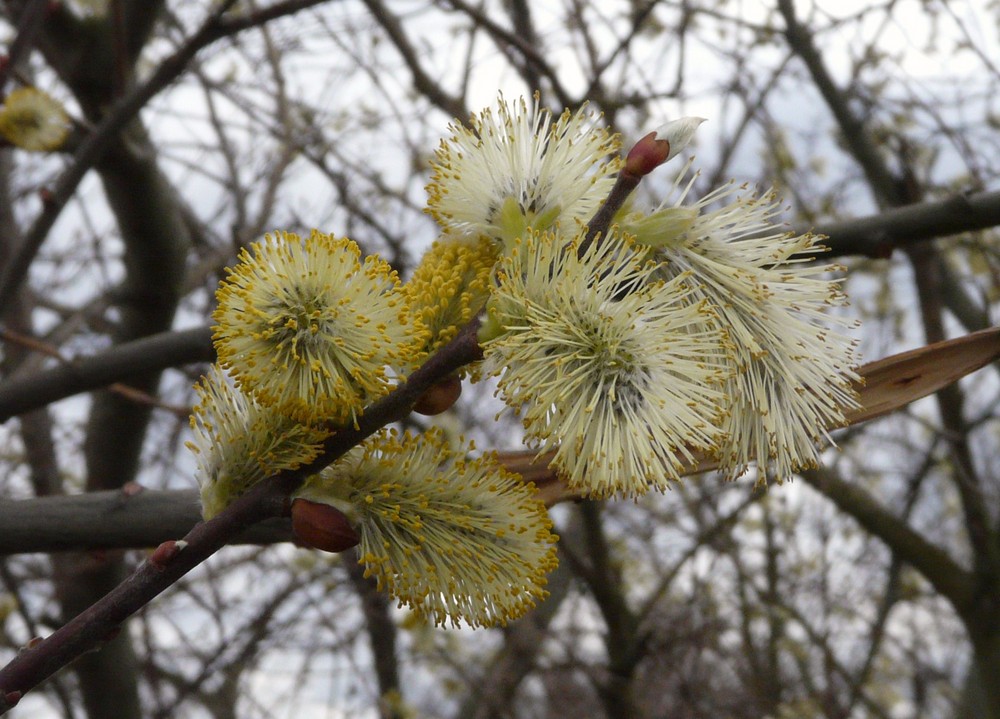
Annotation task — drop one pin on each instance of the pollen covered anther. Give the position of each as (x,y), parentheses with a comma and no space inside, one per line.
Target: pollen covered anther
(617,372)
(519,166)
(458,539)
(306,326)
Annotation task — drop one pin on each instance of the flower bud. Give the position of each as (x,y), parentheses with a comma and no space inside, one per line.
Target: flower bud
(439,397)
(646,155)
(661,145)
(321,526)
(164,553)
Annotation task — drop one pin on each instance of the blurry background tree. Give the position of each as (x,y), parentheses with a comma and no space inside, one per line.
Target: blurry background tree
(870,589)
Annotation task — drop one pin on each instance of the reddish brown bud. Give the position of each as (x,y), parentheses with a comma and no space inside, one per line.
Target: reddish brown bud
(131,489)
(11,699)
(162,555)
(646,155)
(660,145)
(321,526)
(439,397)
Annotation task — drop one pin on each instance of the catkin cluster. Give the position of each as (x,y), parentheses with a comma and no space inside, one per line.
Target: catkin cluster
(689,331)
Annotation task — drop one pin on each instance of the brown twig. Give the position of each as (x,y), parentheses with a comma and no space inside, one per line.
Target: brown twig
(598,226)
(29,23)
(106,369)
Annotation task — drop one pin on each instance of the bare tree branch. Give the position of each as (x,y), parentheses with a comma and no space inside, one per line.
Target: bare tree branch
(96,144)
(94,147)
(141,356)
(424,83)
(132,517)
(877,235)
(29,24)
(951,580)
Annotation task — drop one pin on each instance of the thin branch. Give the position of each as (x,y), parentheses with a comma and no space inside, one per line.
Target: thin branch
(884,186)
(381,634)
(92,149)
(524,641)
(833,662)
(877,235)
(258,18)
(29,24)
(950,400)
(945,575)
(705,537)
(533,56)
(423,82)
(622,641)
(149,354)
(637,21)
